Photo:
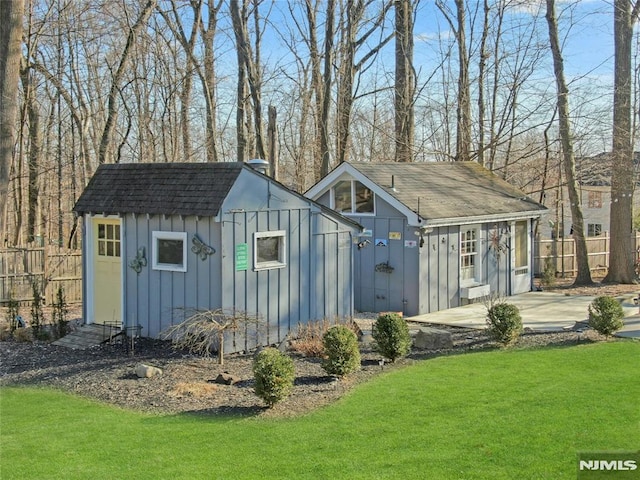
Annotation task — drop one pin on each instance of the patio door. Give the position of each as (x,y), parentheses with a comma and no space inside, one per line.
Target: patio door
(520,257)
(107,272)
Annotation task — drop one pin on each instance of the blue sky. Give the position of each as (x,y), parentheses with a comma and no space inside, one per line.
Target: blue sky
(586,26)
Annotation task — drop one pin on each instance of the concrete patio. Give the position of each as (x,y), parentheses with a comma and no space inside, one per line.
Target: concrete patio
(540,311)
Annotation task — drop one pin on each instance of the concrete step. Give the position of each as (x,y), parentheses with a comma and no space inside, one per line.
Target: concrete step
(88,336)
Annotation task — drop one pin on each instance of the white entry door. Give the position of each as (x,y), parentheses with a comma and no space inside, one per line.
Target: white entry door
(520,257)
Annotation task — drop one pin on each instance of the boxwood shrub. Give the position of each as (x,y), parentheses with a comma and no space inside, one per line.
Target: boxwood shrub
(274,374)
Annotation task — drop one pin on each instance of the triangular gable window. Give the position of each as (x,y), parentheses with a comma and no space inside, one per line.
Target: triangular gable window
(350,197)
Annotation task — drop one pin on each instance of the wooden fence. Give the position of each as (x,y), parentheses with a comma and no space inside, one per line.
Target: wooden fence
(49,268)
(563,251)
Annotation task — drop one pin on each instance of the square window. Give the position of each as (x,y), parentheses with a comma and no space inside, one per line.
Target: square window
(108,240)
(269,250)
(595,200)
(594,230)
(170,251)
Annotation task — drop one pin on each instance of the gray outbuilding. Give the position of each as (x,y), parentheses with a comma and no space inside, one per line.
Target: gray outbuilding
(160,240)
(436,235)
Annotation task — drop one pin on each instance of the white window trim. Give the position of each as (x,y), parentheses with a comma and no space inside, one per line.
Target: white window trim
(477,271)
(353,213)
(170,267)
(283,253)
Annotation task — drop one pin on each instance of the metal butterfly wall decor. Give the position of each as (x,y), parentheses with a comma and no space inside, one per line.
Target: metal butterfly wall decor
(201,249)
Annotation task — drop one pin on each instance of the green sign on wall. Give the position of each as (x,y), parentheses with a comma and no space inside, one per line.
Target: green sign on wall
(242,257)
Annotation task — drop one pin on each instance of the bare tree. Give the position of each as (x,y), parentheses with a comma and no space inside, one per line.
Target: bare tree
(623,177)
(583,276)
(324,89)
(112,108)
(404,81)
(10,40)
(352,40)
(457,21)
(203,331)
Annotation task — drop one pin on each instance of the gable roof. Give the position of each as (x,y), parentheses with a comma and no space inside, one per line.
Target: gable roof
(159,188)
(438,193)
(596,170)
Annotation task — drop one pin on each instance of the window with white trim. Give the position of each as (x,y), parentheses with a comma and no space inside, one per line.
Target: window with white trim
(169,251)
(353,197)
(468,255)
(594,229)
(269,250)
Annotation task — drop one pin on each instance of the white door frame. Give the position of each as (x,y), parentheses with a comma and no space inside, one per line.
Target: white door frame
(520,282)
(90,252)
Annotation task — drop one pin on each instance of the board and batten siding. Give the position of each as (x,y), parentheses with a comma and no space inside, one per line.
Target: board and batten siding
(423,279)
(157,299)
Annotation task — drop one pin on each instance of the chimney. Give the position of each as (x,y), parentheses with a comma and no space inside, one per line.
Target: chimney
(260,165)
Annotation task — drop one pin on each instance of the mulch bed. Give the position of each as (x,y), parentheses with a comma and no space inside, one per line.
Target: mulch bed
(106,373)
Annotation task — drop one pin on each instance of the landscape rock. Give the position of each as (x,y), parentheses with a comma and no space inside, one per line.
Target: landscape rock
(429,338)
(147,371)
(226,379)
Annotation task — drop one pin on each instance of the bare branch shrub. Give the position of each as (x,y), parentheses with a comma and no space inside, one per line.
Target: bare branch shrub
(203,331)
(308,338)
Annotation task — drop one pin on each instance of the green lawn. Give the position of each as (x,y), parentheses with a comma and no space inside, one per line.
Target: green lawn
(495,415)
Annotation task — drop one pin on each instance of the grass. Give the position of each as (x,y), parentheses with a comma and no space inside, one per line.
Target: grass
(495,415)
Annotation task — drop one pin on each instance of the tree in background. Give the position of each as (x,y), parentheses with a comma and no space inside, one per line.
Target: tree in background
(11,13)
(583,276)
(623,177)
(405,82)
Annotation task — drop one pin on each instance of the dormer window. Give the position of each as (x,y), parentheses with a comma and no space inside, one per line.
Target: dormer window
(351,197)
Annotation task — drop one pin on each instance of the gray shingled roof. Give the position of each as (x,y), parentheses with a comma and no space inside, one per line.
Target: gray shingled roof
(448,189)
(159,188)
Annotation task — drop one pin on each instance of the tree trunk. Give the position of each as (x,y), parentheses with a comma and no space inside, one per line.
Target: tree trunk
(481,73)
(326,90)
(272,133)
(463,136)
(404,81)
(583,276)
(112,109)
(10,41)
(622,173)
(208,81)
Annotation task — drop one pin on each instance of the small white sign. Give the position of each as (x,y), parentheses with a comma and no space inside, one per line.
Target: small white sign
(410,243)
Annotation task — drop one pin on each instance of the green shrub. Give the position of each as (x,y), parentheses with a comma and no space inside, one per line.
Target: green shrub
(274,374)
(605,315)
(504,323)
(549,273)
(37,314)
(391,335)
(341,350)
(12,312)
(59,314)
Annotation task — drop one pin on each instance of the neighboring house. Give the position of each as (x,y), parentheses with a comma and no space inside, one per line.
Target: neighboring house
(162,238)
(437,235)
(594,184)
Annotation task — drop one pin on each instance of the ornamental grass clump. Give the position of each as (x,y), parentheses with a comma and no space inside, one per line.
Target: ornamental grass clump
(391,335)
(342,355)
(504,323)
(605,315)
(274,374)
